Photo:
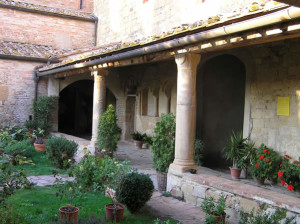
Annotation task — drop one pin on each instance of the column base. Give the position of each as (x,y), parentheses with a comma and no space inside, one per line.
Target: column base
(93,145)
(180,169)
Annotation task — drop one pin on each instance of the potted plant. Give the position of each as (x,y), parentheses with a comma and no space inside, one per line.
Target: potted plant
(235,151)
(115,210)
(138,139)
(147,141)
(68,190)
(163,148)
(215,212)
(266,164)
(31,125)
(108,131)
(39,143)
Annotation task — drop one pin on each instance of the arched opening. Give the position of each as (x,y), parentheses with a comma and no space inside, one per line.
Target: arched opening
(76,108)
(220,105)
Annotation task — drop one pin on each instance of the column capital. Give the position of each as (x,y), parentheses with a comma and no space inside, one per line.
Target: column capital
(187,60)
(99,72)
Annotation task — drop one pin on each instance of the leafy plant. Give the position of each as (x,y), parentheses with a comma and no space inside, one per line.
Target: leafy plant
(61,151)
(264,217)
(147,140)
(209,207)
(108,130)
(137,136)
(266,163)
(38,135)
(135,190)
(31,124)
(42,111)
(163,146)
(11,135)
(96,174)
(235,149)
(158,221)
(198,151)
(19,152)
(289,173)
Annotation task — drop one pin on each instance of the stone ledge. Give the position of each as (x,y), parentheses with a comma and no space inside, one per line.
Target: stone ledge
(248,191)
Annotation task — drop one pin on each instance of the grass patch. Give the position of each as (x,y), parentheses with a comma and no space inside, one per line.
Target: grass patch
(42,165)
(40,205)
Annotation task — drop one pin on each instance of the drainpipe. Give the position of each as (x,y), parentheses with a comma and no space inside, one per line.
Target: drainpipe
(36,79)
(272,18)
(96,28)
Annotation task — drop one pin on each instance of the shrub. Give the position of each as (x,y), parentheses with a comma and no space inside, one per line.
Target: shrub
(137,136)
(135,190)
(61,151)
(23,148)
(209,207)
(11,135)
(163,146)
(31,124)
(42,111)
(198,151)
(108,130)
(95,174)
(266,164)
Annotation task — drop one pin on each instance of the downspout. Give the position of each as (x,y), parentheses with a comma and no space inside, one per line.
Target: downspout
(36,79)
(96,29)
(275,17)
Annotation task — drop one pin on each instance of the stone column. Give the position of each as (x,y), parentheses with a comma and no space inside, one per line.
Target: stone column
(53,90)
(185,113)
(98,101)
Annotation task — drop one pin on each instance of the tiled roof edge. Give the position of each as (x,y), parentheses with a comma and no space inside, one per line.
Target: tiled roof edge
(45,10)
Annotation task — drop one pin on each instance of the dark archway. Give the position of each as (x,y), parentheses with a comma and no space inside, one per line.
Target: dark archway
(76,108)
(220,105)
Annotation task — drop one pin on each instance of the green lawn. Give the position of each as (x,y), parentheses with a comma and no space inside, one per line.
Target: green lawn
(42,165)
(40,205)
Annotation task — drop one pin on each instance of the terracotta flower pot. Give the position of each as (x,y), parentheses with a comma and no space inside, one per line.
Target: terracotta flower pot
(221,218)
(113,214)
(138,144)
(162,181)
(68,214)
(40,147)
(235,172)
(260,182)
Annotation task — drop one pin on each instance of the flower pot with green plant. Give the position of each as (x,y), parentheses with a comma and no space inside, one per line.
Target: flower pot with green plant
(39,143)
(108,131)
(289,174)
(235,151)
(265,165)
(31,125)
(214,211)
(138,139)
(147,141)
(67,190)
(163,148)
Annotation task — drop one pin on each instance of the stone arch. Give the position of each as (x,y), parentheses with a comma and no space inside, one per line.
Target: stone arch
(220,104)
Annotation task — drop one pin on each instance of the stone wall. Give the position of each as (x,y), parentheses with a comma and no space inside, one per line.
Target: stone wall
(277,74)
(87,5)
(35,28)
(16,91)
(133,19)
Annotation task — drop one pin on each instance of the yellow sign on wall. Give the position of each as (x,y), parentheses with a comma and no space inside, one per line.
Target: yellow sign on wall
(283,106)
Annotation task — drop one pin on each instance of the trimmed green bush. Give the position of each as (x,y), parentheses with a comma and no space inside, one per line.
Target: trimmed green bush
(163,146)
(135,190)
(23,148)
(108,130)
(61,151)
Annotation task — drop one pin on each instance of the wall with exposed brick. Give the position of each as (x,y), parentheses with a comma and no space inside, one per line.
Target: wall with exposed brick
(133,19)
(46,30)
(277,74)
(17,91)
(87,5)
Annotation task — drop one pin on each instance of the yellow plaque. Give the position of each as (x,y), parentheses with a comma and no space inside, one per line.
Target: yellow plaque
(283,106)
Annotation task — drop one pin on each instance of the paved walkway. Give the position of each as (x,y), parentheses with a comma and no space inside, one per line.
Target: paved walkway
(161,206)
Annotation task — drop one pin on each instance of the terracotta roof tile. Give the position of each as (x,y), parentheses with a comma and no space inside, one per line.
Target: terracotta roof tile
(11,48)
(260,6)
(41,8)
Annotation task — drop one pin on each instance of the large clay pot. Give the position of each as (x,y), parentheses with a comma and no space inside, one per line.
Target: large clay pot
(40,147)
(138,144)
(68,214)
(162,181)
(221,218)
(114,214)
(235,172)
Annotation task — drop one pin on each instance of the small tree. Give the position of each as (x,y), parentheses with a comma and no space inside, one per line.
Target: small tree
(108,130)
(163,146)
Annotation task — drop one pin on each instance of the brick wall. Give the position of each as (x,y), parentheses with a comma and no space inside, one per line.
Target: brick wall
(277,74)
(87,5)
(47,30)
(17,91)
(133,19)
